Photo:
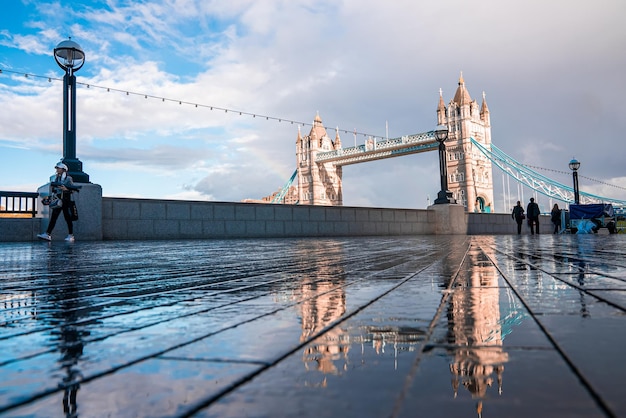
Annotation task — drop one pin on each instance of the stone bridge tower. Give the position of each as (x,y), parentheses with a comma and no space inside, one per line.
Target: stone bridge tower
(469,171)
(318,184)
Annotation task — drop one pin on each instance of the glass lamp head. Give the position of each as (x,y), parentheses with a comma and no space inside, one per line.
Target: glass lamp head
(69,55)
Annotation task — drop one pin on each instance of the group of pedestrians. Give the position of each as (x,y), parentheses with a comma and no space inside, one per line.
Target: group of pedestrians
(532,215)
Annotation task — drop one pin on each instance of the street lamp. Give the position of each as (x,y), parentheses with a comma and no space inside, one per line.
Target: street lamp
(70,57)
(574,165)
(444,195)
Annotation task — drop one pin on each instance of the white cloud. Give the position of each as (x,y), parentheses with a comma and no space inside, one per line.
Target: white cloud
(553,80)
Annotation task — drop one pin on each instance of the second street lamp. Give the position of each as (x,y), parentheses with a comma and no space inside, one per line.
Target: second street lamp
(444,195)
(574,165)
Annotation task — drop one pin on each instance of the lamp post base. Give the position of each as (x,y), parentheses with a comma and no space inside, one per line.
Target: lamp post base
(75,169)
(444,197)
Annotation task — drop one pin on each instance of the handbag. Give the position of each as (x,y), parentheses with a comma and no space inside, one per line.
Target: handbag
(56,203)
(523,216)
(73,210)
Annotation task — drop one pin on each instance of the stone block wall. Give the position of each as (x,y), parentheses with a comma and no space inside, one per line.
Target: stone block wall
(19,229)
(162,219)
(128,219)
(502,224)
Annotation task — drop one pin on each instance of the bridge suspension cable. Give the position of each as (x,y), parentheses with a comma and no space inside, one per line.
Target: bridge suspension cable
(280,196)
(538,182)
(579,175)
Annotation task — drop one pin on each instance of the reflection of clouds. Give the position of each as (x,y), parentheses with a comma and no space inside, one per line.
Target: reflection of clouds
(17,306)
(475,328)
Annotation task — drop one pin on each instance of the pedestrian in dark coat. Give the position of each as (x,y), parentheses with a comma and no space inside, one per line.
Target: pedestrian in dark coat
(532,213)
(555,217)
(518,215)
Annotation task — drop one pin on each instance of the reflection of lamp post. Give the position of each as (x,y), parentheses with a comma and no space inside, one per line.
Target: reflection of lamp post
(574,165)
(70,57)
(444,195)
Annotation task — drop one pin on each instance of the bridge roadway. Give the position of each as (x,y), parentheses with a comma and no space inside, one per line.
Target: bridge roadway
(372,150)
(436,326)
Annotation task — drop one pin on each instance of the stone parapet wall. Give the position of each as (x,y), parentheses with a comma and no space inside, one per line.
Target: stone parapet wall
(19,229)
(128,219)
(502,224)
(162,219)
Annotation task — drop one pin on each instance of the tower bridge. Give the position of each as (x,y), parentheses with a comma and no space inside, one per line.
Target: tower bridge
(470,155)
(320,159)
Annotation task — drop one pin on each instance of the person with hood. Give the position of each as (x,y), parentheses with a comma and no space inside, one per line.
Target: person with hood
(60,200)
(518,215)
(532,212)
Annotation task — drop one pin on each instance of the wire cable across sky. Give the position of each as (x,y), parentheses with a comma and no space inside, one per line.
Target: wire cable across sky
(194,104)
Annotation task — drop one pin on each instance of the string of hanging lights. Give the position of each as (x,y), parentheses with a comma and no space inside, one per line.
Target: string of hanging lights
(195,105)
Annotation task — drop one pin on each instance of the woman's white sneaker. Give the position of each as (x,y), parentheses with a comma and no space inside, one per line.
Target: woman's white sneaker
(70,238)
(45,236)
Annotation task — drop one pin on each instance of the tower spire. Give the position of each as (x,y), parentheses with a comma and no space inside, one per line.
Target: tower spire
(484,111)
(337,143)
(462,97)
(441,105)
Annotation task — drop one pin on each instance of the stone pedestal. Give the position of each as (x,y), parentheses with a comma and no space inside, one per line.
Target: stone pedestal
(450,219)
(88,227)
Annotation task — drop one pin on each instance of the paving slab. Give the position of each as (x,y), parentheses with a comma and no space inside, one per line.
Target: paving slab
(434,326)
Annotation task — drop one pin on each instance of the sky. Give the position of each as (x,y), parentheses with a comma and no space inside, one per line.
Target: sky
(552,73)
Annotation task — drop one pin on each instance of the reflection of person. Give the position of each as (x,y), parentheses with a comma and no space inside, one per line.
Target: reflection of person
(518,215)
(555,217)
(532,212)
(61,188)
(68,335)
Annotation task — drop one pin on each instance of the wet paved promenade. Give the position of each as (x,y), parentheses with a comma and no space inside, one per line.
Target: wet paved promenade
(455,326)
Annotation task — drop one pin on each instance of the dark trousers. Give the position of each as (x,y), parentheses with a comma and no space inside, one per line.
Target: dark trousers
(533,223)
(66,214)
(519,226)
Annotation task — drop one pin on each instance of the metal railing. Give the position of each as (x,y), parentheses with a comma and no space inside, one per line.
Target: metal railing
(18,204)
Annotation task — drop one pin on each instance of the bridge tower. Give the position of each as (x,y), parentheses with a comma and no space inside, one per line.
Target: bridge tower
(318,183)
(469,171)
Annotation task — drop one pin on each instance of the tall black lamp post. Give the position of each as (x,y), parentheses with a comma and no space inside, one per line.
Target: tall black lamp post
(70,57)
(574,165)
(444,195)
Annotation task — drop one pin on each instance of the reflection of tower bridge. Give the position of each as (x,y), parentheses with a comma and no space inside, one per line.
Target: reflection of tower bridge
(469,151)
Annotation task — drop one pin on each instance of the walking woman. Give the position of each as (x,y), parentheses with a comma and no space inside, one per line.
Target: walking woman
(60,201)
(555,217)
